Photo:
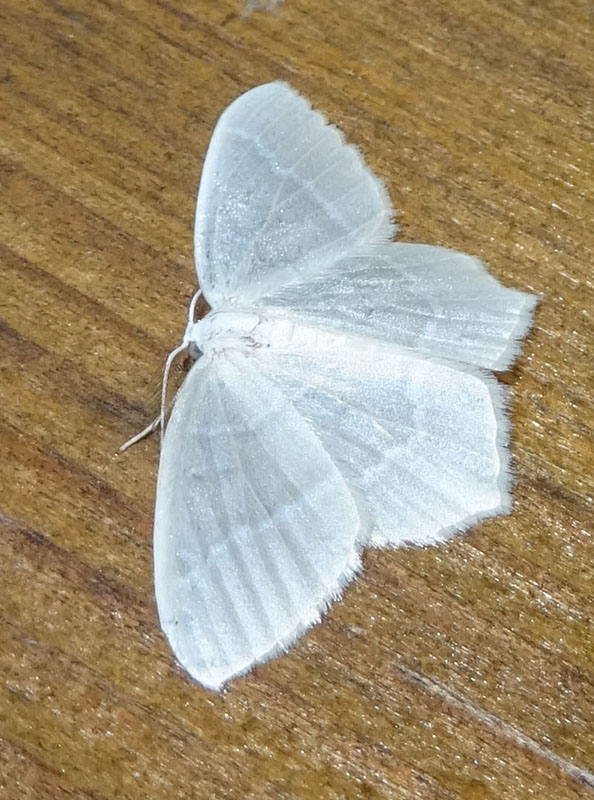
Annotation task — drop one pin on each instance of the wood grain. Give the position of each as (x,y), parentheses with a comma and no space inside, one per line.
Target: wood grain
(464,671)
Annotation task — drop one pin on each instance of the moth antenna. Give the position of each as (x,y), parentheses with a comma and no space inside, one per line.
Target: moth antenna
(192,307)
(159,421)
(150,428)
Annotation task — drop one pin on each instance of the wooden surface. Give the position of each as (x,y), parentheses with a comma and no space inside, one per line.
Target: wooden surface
(465,671)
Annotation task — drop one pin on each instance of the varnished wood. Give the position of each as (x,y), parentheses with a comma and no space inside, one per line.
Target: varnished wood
(464,671)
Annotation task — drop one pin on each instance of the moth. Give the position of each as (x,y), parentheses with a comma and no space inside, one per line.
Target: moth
(342,395)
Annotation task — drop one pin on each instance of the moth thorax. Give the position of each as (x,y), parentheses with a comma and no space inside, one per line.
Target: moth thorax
(220,330)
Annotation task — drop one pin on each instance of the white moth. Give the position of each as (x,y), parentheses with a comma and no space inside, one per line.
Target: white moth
(341,399)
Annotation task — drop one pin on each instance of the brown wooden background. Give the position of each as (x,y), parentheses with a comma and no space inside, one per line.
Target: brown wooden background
(460,672)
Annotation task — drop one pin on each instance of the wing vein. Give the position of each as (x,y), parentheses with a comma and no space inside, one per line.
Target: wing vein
(271,567)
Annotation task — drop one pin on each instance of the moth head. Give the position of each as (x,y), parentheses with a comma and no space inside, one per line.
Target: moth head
(193,350)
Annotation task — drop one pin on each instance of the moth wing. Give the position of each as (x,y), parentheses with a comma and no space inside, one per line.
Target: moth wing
(432,300)
(281,196)
(255,528)
(422,444)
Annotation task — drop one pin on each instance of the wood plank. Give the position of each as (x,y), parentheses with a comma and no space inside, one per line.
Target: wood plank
(461,672)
